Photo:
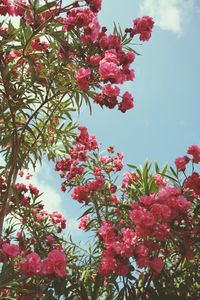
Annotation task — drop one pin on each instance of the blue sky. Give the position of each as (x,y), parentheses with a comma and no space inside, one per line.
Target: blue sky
(165,120)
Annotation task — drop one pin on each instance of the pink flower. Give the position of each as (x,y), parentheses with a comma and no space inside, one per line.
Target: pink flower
(108,264)
(123,268)
(91,32)
(193,183)
(159,180)
(21,187)
(6,8)
(110,42)
(108,70)
(157,265)
(111,56)
(31,265)
(50,239)
(10,249)
(181,162)
(161,212)
(143,26)
(142,250)
(57,218)
(127,102)
(55,263)
(107,231)
(129,178)
(34,190)
(110,90)
(129,236)
(194,150)
(161,231)
(82,76)
(94,60)
(81,194)
(80,17)
(39,45)
(96,185)
(95,5)
(127,58)
(83,137)
(83,222)
(19,7)
(142,261)
(147,200)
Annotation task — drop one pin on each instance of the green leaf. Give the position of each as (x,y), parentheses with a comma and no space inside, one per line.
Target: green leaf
(164,169)
(157,167)
(46,7)
(89,210)
(132,166)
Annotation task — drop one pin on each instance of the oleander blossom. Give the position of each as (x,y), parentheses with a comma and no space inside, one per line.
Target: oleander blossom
(31,265)
(194,150)
(95,5)
(127,102)
(82,76)
(181,162)
(54,264)
(193,183)
(108,70)
(84,222)
(159,181)
(110,90)
(11,250)
(157,265)
(143,26)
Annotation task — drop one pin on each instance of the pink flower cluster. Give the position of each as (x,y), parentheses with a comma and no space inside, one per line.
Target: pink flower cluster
(142,26)
(192,182)
(54,264)
(105,67)
(22,190)
(83,18)
(153,218)
(181,162)
(23,9)
(84,222)
(82,76)
(39,45)
(129,178)
(83,193)
(55,218)
(114,67)
(11,250)
(159,181)
(38,211)
(153,214)
(15,8)
(120,246)
(111,64)
(95,5)
(194,151)
(74,168)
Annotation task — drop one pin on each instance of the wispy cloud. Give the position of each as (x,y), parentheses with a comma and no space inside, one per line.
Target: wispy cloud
(168,14)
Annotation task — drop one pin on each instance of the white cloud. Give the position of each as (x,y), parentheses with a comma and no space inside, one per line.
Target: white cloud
(168,14)
(51,198)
